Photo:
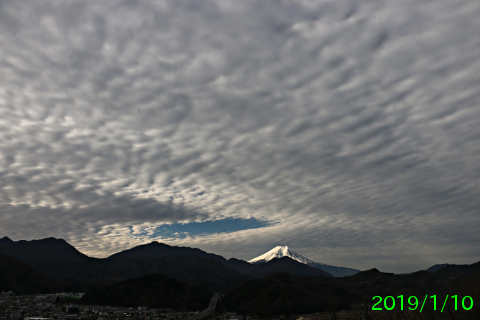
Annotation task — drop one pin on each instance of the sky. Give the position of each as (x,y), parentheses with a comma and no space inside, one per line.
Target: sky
(347,130)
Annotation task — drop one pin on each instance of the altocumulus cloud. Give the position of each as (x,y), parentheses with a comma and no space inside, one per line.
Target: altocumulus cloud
(347,130)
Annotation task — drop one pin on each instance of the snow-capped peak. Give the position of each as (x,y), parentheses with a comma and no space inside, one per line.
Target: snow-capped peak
(279,252)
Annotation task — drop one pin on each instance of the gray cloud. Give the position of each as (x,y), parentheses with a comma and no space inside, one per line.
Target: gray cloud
(353,126)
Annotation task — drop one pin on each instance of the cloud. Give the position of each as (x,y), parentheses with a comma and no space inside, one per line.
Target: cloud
(352,127)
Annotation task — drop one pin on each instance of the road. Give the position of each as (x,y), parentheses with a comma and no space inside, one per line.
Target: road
(206,312)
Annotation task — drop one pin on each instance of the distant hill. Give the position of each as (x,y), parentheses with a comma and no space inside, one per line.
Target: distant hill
(457,270)
(437,267)
(154,290)
(335,271)
(373,282)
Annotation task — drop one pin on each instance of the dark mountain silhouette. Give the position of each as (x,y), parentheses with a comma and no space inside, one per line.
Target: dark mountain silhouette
(281,285)
(372,282)
(284,251)
(157,250)
(287,294)
(182,263)
(278,265)
(335,271)
(154,290)
(22,278)
(56,258)
(437,267)
(190,269)
(5,241)
(43,250)
(286,265)
(468,285)
(53,257)
(457,270)
(241,266)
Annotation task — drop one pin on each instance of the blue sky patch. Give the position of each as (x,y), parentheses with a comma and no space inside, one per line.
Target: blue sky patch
(181,231)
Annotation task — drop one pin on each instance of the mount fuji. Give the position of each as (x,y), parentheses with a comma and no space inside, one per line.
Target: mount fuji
(284,251)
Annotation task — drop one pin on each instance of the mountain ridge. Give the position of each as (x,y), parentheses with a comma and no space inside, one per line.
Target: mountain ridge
(285,251)
(6,241)
(281,285)
(56,258)
(157,249)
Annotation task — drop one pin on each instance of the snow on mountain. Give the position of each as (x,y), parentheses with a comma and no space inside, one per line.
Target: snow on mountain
(284,251)
(279,252)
